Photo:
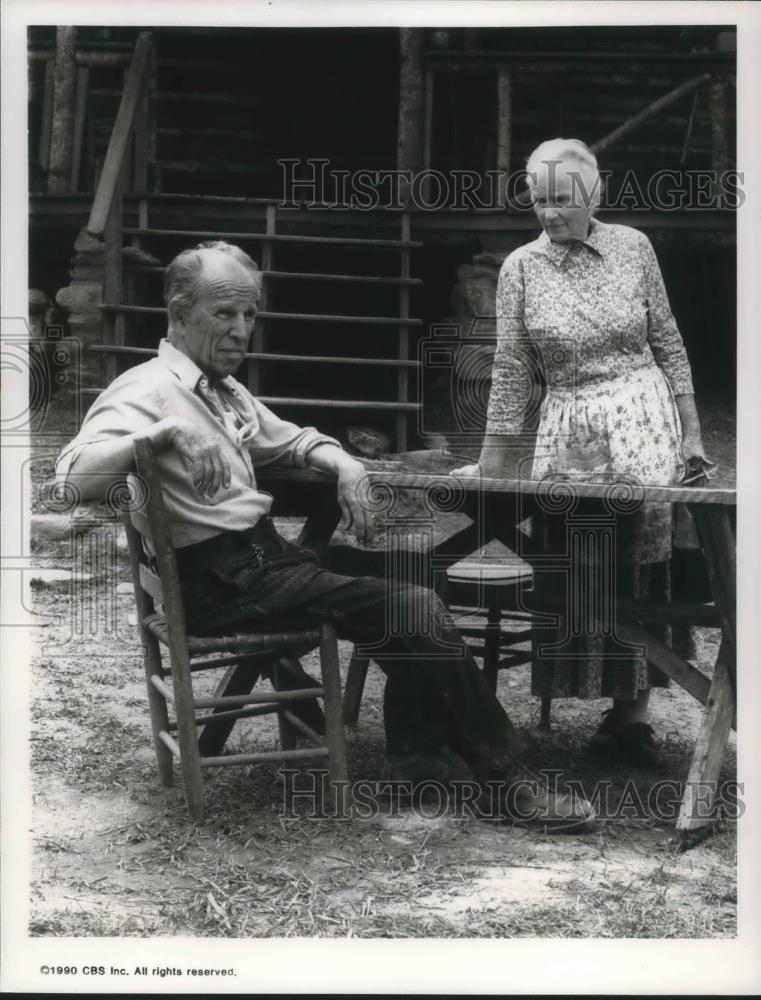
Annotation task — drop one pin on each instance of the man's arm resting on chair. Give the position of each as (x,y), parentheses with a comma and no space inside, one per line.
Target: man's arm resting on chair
(99,463)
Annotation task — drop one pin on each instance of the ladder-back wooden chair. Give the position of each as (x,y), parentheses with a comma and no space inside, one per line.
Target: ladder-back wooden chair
(161,620)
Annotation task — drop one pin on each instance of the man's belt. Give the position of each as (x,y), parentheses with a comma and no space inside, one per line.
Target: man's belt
(263,540)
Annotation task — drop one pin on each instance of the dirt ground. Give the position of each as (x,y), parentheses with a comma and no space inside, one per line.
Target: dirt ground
(115,854)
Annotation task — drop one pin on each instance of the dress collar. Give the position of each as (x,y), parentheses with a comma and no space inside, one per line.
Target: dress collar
(557,252)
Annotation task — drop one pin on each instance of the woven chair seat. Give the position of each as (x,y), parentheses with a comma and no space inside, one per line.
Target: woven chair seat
(276,636)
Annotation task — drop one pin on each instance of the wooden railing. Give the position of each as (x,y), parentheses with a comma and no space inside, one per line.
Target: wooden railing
(130,147)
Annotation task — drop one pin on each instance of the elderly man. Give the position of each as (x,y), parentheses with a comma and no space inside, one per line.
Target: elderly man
(442,721)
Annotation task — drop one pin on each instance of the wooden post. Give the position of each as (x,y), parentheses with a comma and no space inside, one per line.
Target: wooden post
(404,339)
(409,150)
(62,135)
(719,142)
(83,75)
(47,113)
(258,340)
(504,132)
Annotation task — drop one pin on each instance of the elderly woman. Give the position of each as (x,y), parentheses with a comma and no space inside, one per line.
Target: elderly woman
(587,304)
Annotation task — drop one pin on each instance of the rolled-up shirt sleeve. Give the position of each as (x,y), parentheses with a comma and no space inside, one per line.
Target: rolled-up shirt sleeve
(662,331)
(512,372)
(280,442)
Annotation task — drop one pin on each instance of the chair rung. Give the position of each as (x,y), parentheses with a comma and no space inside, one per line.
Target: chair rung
(256,758)
(258,697)
(299,724)
(238,713)
(514,660)
(171,743)
(162,688)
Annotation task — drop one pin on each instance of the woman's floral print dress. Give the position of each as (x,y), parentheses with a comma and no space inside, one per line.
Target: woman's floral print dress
(594,317)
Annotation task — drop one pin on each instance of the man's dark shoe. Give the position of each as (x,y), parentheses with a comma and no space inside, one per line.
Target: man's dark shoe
(523,798)
(441,766)
(628,742)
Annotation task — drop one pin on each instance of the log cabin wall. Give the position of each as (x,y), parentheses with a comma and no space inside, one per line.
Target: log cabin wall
(230,103)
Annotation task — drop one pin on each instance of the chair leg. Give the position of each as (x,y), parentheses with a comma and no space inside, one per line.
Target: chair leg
(334,725)
(355,685)
(187,733)
(492,643)
(157,707)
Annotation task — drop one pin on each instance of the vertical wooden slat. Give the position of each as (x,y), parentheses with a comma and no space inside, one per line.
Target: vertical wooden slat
(47,113)
(62,130)
(719,139)
(113,323)
(409,149)
(80,111)
(259,338)
(404,340)
(504,130)
(428,126)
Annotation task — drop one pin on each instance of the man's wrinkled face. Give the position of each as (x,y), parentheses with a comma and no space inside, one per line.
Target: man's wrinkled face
(561,199)
(215,331)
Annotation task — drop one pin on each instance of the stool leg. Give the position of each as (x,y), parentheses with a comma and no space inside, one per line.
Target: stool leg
(355,685)
(491,642)
(544,716)
(334,726)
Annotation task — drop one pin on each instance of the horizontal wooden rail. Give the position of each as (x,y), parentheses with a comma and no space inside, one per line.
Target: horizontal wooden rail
(203,234)
(303,728)
(257,697)
(368,279)
(151,352)
(339,404)
(119,143)
(257,758)
(394,321)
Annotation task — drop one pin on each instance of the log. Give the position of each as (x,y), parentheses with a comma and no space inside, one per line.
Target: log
(64,92)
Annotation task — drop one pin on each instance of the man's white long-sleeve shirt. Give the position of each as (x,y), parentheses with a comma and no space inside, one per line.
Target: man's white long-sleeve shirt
(172,385)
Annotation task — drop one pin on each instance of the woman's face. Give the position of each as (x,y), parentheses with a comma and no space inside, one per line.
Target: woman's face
(561,199)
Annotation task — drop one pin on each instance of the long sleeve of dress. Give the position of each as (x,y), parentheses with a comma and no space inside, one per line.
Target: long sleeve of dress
(512,373)
(662,332)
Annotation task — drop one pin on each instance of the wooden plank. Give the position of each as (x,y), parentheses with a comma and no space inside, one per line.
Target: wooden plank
(201,234)
(651,111)
(504,130)
(312,753)
(151,583)
(257,697)
(665,659)
(47,114)
(239,679)
(299,359)
(80,112)
(62,129)
(119,143)
(303,275)
(402,380)
(339,404)
(264,315)
(718,546)
(710,748)
(354,687)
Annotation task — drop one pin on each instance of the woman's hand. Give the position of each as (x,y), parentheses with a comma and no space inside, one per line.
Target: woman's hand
(692,447)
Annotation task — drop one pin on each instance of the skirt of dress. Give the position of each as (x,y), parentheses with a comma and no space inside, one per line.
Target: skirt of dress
(621,429)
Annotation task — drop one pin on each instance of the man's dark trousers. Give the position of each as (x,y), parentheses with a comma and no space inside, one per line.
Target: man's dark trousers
(435,694)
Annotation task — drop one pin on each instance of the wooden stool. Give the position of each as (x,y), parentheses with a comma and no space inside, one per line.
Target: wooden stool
(245,656)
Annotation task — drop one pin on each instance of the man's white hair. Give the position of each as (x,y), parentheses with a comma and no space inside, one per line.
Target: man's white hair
(568,152)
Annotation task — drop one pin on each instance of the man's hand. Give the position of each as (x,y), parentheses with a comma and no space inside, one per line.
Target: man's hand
(350,475)
(202,455)
(467,471)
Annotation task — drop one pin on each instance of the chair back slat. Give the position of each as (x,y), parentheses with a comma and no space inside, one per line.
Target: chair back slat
(150,582)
